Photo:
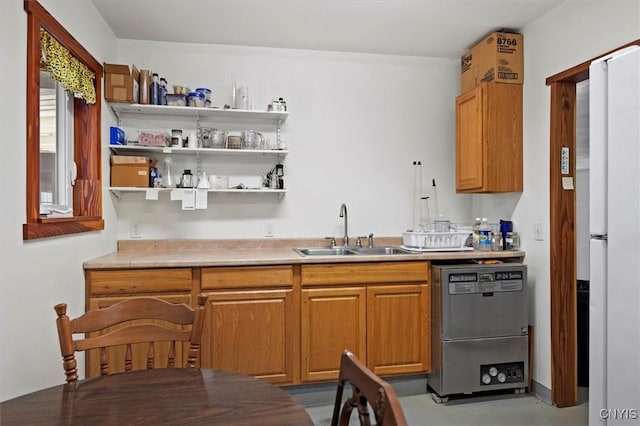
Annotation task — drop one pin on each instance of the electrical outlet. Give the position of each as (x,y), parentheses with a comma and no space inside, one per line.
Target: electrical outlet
(135,231)
(538,233)
(268,229)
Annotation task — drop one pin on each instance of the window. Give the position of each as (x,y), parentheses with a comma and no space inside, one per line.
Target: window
(77,122)
(56,148)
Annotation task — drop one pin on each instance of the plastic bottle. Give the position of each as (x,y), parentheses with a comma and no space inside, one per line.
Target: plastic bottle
(145,83)
(476,233)
(154,90)
(163,91)
(484,240)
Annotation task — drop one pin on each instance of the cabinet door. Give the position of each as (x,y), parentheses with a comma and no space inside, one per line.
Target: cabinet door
(251,332)
(333,319)
(116,354)
(470,142)
(398,332)
(489,139)
(503,133)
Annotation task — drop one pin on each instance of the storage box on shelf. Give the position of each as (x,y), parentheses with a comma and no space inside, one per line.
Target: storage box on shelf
(120,84)
(130,171)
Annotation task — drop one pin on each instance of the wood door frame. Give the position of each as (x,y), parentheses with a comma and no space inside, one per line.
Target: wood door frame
(563,258)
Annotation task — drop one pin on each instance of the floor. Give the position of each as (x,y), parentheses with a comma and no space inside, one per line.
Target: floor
(494,410)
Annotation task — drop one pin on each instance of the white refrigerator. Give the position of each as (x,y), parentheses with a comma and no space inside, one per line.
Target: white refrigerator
(614,216)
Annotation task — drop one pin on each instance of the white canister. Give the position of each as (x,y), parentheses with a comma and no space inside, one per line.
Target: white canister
(193,140)
(242,98)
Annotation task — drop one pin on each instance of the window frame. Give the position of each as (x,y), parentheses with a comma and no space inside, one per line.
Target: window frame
(87,191)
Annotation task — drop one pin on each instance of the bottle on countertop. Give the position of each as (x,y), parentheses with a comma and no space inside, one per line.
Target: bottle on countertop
(154,90)
(476,233)
(484,237)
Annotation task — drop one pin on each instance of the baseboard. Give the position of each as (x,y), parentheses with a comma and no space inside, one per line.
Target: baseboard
(541,392)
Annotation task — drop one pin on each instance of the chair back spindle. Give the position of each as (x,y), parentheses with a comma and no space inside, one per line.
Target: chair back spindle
(129,323)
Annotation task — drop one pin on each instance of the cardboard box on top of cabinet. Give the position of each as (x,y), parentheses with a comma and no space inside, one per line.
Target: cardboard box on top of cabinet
(499,57)
(121,84)
(127,171)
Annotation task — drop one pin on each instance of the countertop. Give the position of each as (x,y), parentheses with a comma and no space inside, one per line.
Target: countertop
(203,253)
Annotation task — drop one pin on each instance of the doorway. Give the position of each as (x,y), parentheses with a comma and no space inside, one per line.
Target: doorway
(582,238)
(563,246)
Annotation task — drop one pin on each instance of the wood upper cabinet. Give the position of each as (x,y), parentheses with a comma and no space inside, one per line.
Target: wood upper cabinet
(252,322)
(379,311)
(489,139)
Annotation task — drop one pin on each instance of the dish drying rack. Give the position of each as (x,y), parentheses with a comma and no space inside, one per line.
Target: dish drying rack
(435,241)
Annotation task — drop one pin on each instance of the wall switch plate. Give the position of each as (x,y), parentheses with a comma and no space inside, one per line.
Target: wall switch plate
(135,230)
(538,233)
(268,229)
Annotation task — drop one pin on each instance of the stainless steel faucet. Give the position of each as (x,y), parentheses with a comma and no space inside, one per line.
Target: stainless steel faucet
(343,213)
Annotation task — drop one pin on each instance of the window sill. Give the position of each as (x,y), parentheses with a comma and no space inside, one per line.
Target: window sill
(59,226)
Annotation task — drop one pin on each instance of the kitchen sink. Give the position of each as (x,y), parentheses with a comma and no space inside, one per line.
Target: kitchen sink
(375,251)
(344,251)
(335,251)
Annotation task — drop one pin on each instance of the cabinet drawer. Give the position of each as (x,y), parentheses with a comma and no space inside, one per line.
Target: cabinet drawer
(114,282)
(365,273)
(247,277)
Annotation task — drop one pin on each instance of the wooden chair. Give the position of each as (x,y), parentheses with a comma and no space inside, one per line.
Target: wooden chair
(138,320)
(367,388)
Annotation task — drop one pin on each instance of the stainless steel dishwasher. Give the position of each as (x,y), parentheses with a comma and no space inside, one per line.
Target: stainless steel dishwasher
(479,329)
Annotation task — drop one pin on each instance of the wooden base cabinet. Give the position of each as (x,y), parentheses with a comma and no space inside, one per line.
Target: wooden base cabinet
(106,287)
(250,326)
(289,324)
(379,311)
(489,139)
(398,329)
(333,319)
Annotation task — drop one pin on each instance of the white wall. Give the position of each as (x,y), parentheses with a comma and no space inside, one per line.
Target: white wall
(36,275)
(574,32)
(356,124)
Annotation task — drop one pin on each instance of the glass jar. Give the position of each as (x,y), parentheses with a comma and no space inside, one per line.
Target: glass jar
(496,242)
(512,241)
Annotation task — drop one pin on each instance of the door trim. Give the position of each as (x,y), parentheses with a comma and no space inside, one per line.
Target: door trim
(562,250)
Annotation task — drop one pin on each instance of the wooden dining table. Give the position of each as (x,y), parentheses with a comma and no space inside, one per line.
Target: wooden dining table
(181,396)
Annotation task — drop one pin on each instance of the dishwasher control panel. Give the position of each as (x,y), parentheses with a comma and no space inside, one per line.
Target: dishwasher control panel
(493,374)
(486,281)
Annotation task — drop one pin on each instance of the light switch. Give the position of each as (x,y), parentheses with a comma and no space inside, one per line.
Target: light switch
(538,233)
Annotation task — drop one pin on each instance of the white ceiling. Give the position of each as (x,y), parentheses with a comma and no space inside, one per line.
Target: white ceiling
(431,28)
